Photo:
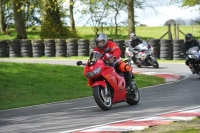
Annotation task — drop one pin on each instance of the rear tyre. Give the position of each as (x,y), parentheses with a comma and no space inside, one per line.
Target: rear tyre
(134,97)
(103,99)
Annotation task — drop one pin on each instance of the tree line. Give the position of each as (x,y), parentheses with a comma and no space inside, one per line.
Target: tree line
(50,15)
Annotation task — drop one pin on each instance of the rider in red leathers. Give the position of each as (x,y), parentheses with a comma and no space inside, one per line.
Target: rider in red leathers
(113,57)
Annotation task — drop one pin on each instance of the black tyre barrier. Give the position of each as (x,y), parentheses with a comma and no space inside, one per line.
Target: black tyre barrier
(26,48)
(14,48)
(92,45)
(155,43)
(120,43)
(3,48)
(166,49)
(83,47)
(49,47)
(177,48)
(38,48)
(60,46)
(72,46)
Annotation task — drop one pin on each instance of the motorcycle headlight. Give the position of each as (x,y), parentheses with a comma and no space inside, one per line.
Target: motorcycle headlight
(93,73)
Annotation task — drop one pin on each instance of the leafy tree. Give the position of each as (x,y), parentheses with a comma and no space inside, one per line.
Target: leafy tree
(188,3)
(52,26)
(72,22)
(18,19)
(6,16)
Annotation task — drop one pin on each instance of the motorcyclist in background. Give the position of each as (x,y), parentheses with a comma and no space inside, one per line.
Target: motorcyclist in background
(189,42)
(134,40)
(113,57)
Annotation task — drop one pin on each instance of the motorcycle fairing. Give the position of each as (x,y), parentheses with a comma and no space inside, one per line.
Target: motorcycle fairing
(117,82)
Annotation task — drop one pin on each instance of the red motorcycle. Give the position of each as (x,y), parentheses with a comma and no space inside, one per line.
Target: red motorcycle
(108,86)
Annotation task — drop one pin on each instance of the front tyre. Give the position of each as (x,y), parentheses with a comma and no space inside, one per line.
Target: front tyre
(154,62)
(102,97)
(134,96)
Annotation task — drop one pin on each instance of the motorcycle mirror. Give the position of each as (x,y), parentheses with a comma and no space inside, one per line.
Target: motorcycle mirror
(78,63)
(107,50)
(181,54)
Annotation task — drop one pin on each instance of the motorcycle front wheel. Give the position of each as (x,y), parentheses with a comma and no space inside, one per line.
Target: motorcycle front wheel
(102,97)
(154,62)
(133,97)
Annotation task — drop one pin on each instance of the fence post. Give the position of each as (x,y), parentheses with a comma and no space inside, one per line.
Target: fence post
(177,31)
(169,32)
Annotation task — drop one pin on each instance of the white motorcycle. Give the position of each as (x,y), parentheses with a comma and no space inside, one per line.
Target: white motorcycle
(193,58)
(142,55)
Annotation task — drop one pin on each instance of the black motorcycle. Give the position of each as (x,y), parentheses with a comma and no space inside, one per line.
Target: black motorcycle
(192,58)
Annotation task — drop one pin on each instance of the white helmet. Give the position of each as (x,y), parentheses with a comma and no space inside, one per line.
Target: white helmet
(101,37)
(132,36)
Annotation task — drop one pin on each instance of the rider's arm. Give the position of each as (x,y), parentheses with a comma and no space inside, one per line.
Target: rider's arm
(197,43)
(115,50)
(140,40)
(130,43)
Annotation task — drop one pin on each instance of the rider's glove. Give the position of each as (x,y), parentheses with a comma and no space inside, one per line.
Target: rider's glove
(112,59)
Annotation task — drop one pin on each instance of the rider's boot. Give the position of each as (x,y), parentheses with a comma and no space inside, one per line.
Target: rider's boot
(191,68)
(129,82)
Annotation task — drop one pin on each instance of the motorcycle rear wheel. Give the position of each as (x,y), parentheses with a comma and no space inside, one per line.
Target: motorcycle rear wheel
(103,100)
(135,97)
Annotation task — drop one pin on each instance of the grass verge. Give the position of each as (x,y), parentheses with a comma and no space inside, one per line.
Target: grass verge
(80,58)
(191,126)
(23,84)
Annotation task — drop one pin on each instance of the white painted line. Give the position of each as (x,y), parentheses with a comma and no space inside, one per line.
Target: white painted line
(173,118)
(116,128)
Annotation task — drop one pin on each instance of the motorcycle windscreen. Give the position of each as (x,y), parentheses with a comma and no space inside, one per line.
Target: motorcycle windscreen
(142,46)
(192,50)
(94,56)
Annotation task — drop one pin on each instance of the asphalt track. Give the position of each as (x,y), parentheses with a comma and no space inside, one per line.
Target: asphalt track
(84,115)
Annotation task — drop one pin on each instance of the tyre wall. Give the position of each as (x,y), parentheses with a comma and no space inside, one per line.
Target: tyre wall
(60,47)
(3,48)
(120,43)
(72,47)
(155,43)
(49,47)
(166,49)
(177,48)
(26,48)
(83,47)
(14,48)
(38,48)
(92,45)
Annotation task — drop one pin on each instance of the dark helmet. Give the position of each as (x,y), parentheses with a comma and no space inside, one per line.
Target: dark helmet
(133,36)
(101,37)
(188,37)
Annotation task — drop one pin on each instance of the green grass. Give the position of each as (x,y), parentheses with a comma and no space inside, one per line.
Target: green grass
(191,126)
(23,84)
(79,58)
(143,32)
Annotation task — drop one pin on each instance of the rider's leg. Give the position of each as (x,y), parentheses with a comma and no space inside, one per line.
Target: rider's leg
(189,64)
(128,78)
